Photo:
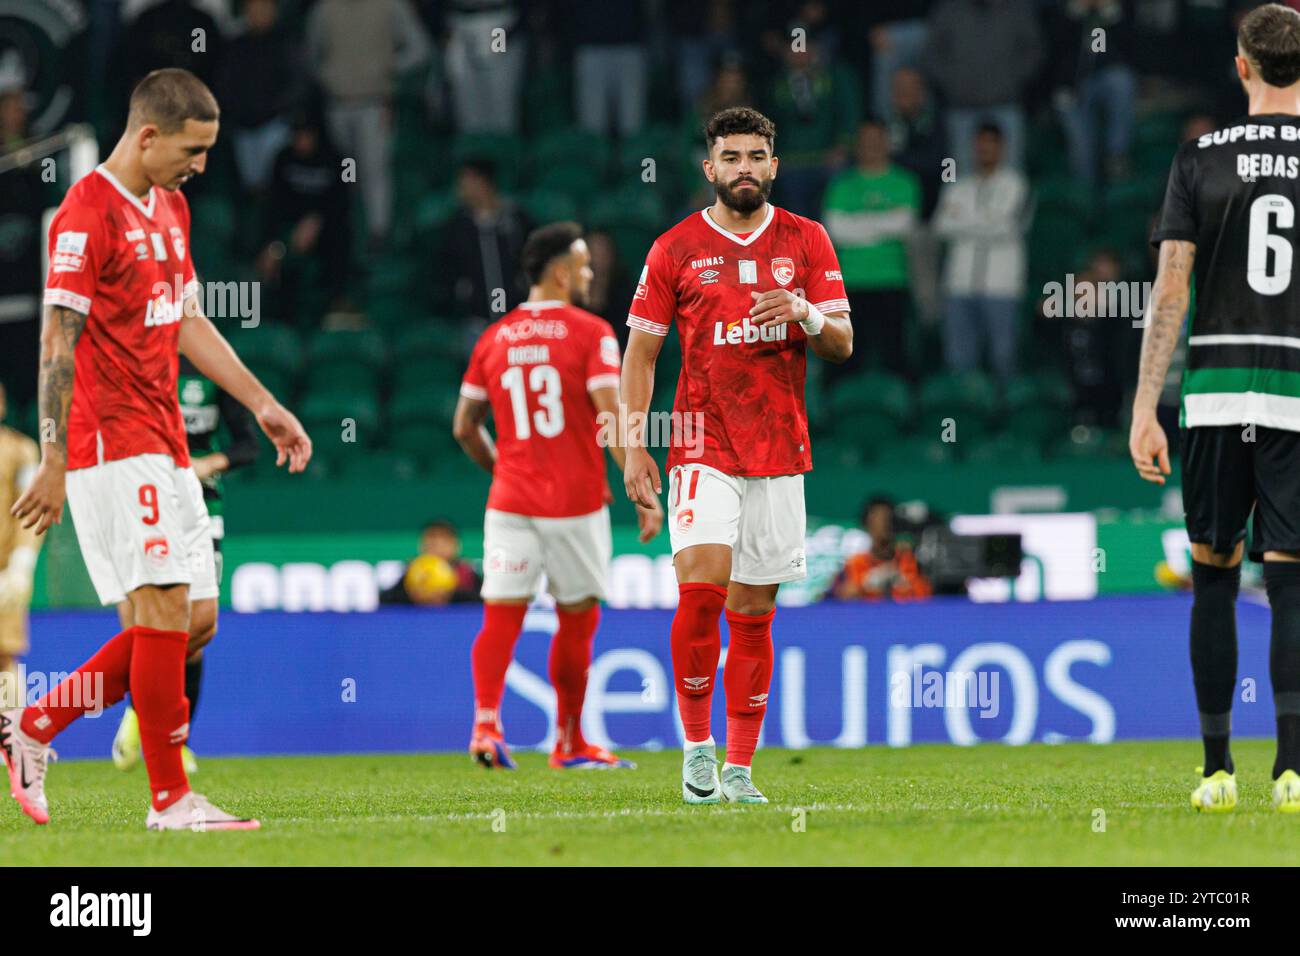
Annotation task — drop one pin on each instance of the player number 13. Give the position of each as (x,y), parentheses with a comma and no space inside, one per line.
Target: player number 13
(544,382)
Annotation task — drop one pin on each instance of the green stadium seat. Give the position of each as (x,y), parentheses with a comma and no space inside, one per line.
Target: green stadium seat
(434,404)
(416,375)
(425,338)
(662,143)
(572,147)
(346,348)
(1038,408)
(267,345)
(382,465)
(424,443)
(342,378)
(970,399)
(323,414)
(545,205)
(1008,448)
(917,451)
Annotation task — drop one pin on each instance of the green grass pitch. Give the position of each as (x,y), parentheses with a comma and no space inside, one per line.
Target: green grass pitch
(937,805)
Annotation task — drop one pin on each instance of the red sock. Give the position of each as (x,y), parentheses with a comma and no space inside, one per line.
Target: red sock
(747,677)
(569,660)
(158,694)
(696,645)
(490,658)
(97,684)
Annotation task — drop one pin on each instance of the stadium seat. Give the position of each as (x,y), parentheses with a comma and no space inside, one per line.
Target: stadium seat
(917,451)
(573,147)
(433,404)
(340,352)
(381,465)
(1038,408)
(660,142)
(268,345)
(547,205)
(970,399)
(1009,448)
(425,443)
(415,375)
(340,378)
(324,416)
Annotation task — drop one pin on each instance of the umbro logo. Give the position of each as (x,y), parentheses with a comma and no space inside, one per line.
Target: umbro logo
(758,699)
(695,683)
(709,276)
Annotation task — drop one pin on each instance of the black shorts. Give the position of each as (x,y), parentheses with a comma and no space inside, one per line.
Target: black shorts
(1225,476)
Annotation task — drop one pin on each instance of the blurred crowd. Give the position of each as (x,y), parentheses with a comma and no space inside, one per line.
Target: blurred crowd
(909,127)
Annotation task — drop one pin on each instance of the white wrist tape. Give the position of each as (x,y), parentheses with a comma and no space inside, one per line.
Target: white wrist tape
(813,324)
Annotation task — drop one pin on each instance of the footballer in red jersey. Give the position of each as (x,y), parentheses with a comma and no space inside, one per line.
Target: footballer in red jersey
(121,300)
(548,373)
(751,289)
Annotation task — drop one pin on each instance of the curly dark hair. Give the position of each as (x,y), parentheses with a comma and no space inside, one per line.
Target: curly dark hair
(1269,36)
(738,120)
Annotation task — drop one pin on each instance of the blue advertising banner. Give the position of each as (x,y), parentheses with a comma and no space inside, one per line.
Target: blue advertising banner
(846,675)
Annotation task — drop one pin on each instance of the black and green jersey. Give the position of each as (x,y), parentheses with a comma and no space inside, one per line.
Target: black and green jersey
(206,408)
(1234,193)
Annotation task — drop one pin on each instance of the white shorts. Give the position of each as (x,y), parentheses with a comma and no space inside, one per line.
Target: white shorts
(574,553)
(762,520)
(141,521)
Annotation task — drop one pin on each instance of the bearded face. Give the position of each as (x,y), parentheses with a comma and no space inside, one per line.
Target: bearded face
(744,194)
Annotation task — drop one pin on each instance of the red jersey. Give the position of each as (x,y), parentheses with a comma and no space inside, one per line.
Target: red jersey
(125,264)
(537,366)
(746,383)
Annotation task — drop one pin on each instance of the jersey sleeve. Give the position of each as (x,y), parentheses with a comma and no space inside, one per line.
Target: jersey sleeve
(474,384)
(654,303)
(1178,214)
(824,286)
(602,359)
(78,247)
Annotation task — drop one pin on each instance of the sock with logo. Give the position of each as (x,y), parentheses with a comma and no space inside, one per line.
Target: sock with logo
(747,677)
(96,685)
(193,682)
(1282,579)
(158,694)
(696,645)
(490,658)
(569,660)
(1214,657)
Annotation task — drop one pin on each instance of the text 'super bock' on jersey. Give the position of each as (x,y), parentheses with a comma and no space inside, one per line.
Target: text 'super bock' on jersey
(126,265)
(538,366)
(745,385)
(1234,193)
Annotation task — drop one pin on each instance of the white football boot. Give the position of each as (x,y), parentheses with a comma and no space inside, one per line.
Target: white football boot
(194,812)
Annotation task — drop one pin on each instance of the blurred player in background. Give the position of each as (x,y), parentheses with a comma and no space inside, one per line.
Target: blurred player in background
(546,371)
(1229,225)
(751,288)
(205,408)
(121,298)
(19,457)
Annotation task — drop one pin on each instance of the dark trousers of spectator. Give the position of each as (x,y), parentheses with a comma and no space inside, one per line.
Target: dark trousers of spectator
(879,332)
(973,324)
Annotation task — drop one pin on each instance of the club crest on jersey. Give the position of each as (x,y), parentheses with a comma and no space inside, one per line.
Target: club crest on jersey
(178,241)
(743,330)
(783,270)
(156,551)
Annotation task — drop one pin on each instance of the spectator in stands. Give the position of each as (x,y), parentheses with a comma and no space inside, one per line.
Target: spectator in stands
(611,69)
(438,574)
(485,76)
(888,570)
(815,103)
(1093,341)
(482,244)
(983,219)
(870,211)
(701,39)
(24,198)
(1094,78)
(897,36)
(730,87)
(982,56)
(259,85)
(358,48)
(916,135)
(307,221)
(612,287)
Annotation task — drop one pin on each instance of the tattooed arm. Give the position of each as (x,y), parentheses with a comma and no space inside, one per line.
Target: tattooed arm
(1147,442)
(41,505)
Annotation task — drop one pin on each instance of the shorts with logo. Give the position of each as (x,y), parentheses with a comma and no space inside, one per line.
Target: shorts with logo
(574,552)
(1228,480)
(141,521)
(762,520)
